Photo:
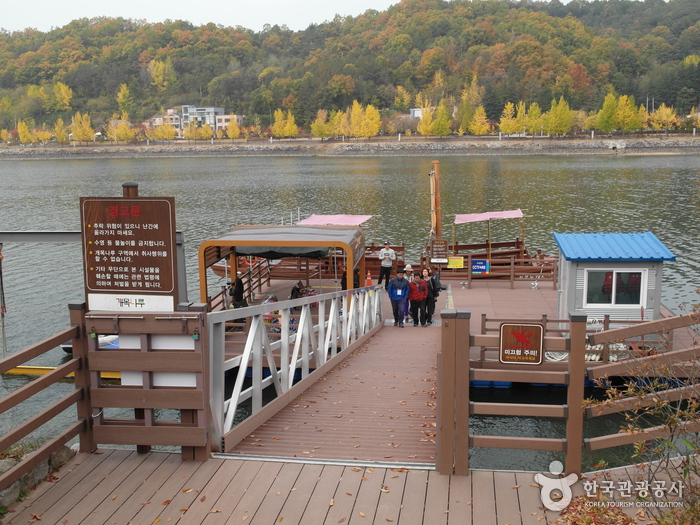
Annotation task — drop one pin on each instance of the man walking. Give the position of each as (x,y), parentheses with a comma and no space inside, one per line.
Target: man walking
(398,293)
(387,256)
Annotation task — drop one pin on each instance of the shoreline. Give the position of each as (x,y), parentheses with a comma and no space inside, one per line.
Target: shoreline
(379,146)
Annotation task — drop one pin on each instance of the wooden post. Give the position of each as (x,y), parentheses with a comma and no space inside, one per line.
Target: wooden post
(512,272)
(199,418)
(82,377)
(130,189)
(435,213)
(577,369)
(463,345)
(444,458)
(452,455)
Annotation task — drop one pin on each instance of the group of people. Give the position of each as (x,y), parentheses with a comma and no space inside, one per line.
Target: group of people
(415,296)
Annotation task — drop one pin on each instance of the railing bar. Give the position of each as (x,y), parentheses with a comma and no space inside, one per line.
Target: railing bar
(38,349)
(36,386)
(19,470)
(39,419)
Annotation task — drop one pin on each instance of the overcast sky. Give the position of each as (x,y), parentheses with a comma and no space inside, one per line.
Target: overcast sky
(253,14)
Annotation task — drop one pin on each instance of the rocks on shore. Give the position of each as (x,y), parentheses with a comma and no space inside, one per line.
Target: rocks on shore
(379,146)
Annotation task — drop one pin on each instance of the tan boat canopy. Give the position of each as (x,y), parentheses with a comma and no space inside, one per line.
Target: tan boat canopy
(278,242)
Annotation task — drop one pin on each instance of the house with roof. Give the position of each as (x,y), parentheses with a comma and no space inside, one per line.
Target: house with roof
(615,274)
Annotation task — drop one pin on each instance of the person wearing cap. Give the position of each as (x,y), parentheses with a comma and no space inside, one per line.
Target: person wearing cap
(397,291)
(387,256)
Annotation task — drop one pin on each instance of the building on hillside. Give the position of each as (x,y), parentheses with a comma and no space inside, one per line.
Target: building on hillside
(171,117)
(213,116)
(200,116)
(222,121)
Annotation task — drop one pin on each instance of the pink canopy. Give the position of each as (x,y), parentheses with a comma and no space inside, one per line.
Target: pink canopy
(487,216)
(335,220)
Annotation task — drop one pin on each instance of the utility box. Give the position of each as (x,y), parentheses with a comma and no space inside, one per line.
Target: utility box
(615,274)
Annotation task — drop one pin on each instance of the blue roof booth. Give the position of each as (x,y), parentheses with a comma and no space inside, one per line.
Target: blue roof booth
(618,274)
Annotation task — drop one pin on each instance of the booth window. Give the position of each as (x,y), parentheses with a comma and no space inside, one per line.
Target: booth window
(613,287)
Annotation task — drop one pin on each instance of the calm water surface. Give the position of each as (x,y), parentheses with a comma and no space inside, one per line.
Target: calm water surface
(558,194)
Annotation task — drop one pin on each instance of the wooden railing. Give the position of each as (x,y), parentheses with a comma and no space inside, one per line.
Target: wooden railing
(163,365)
(680,363)
(284,345)
(76,398)
(454,406)
(508,268)
(600,352)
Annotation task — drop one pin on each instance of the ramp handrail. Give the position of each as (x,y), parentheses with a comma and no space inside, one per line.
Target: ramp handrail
(281,345)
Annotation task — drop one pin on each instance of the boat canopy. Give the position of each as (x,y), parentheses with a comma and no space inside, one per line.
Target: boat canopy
(337,220)
(278,242)
(487,216)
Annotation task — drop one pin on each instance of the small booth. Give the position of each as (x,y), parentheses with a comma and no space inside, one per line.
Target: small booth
(615,274)
(278,242)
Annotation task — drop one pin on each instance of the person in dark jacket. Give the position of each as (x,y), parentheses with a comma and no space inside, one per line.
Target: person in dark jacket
(433,292)
(417,294)
(398,293)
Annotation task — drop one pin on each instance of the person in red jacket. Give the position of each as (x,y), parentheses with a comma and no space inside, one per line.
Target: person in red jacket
(417,294)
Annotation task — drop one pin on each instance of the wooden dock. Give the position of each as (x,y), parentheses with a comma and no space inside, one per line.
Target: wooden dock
(123,487)
(356,447)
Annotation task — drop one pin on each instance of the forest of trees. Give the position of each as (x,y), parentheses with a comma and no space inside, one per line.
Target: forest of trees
(465,63)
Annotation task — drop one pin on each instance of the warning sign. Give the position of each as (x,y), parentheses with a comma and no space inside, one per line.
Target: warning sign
(129,253)
(521,343)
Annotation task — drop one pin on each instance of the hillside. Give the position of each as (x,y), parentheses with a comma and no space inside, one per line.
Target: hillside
(415,51)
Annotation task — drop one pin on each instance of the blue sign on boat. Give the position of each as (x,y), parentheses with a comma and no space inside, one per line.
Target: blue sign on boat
(479,266)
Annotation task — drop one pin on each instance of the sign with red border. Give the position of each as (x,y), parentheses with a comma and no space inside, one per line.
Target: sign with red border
(129,253)
(521,343)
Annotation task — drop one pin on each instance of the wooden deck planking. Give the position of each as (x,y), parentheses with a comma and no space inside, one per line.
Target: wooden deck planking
(318,501)
(223,507)
(253,497)
(110,503)
(343,501)
(146,490)
(437,498)
(507,505)
(297,501)
(274,500)
(531,510)
(460,502)
(389,508)
(377,405)
(414,496)
(128,488)
(49,494)
(484,496)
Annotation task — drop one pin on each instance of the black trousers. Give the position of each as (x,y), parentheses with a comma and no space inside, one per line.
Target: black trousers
(384,271)
(418,312)
(430,308)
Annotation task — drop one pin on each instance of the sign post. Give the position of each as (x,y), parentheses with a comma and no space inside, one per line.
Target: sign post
(129,253)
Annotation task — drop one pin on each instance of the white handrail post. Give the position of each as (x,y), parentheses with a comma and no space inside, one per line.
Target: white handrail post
(287,374)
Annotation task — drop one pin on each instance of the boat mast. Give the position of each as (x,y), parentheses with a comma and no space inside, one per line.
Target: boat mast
(435,212)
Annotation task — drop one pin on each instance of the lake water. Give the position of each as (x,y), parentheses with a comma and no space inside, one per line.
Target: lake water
(558,194)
